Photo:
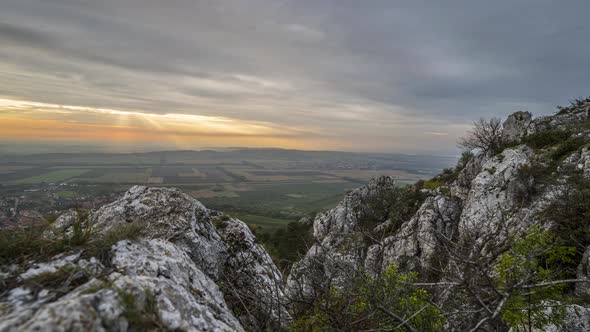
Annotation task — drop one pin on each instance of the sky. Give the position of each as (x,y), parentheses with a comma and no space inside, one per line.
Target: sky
(375,76)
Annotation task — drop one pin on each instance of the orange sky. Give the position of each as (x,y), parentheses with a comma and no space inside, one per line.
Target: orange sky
(32,121)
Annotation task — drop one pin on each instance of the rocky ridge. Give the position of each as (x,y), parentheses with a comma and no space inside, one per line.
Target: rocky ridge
(489,199)
(176,275)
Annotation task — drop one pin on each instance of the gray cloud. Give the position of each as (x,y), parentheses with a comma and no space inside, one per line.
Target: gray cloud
(360,70)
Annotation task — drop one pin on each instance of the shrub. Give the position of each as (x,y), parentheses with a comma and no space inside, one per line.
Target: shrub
(485,136)
(23,244)
(380,303)
(546,138)
(465,158)
(141,315)
(396,205)
(287,245)
(100,246)
(534,258)
(570,217)
(570,145)
(20,245)
(431,184)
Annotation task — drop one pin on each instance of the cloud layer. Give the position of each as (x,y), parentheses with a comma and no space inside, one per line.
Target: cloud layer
(352,75)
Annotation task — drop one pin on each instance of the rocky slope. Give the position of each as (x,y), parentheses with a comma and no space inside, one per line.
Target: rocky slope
(487,201)
(184,271)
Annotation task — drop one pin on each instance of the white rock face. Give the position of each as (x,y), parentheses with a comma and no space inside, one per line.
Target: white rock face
(577,319)
(344,218)
(182,297)
(168,213)
(516,126)
(580,161)
(251,272)
(167,279)
(186,298)
(62,226)
(340,248)
(414,245)
(493,191)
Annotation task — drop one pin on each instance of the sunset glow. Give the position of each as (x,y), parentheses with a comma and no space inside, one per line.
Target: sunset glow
(26,120)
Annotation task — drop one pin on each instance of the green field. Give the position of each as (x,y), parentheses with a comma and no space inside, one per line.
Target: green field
(267,188)
(66,194)
(54,176)
(263,223)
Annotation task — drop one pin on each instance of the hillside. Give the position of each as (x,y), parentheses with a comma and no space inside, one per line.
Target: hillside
(498,243)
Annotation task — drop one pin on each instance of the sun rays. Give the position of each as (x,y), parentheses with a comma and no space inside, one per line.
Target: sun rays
(30,120)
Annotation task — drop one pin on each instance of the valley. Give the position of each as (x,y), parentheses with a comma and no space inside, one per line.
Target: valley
(267,188)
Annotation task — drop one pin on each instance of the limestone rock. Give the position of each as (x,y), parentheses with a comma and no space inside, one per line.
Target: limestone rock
(251,272)
(168,213)
(344,218)
(414,246)
(516,126)
(493,191)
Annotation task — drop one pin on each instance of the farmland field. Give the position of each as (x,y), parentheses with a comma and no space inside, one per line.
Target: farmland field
(264,187)
(54,176)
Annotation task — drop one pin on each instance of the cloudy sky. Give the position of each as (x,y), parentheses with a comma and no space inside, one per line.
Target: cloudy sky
(391,76)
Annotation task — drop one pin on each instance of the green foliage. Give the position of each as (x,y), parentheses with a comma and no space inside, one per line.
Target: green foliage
(287,245)
(380,303)
(570,215)
(141,313)
(64,279)
(532,259)
(19,245)
(546,138)
(574,104)
(394,204)
(570,145)
(23,244)
(465,158)
(100,246)
(432,184)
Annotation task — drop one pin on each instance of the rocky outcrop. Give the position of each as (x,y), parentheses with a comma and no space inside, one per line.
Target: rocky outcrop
(178,274)
(63,225)
(492,198)
(516,126)
(169,214)
(575,113)
(493,192)
(339,249)
(346,217)
(252,279)
(414,247)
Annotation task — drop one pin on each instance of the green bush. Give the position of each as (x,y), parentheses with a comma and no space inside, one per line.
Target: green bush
(141,315)
(432,184)
(24,244)
(373,303)
(570,217)
(534,258)
(19,245)
(394,204)
(287,245)
(546,138)
(570,145)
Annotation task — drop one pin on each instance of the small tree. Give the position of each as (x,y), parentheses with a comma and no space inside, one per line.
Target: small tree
(485,136)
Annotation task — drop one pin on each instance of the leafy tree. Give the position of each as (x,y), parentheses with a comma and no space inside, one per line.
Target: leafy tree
(387,302)
(527,273)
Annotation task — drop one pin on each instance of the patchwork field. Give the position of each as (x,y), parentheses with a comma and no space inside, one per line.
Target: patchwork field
(267,188)
(53,176)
